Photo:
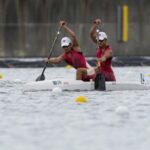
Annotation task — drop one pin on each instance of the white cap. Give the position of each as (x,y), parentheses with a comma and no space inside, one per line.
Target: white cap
(102,35)
(65,41)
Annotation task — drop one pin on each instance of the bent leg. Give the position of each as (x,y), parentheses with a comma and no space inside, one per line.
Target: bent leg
(80,73)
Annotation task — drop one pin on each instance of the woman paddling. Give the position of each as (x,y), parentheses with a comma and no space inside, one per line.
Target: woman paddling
(104,52)
(73,56)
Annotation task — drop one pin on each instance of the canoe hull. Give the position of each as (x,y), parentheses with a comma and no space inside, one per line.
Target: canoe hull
(77,85)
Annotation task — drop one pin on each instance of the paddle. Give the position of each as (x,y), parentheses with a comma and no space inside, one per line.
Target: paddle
(100,78)
(100,82)
(42,77)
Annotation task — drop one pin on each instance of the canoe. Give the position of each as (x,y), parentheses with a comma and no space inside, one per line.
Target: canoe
(77,85)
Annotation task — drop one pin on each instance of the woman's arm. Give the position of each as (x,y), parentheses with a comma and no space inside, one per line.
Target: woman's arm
(55,60)
(70,32)
(107,55)
(93,33)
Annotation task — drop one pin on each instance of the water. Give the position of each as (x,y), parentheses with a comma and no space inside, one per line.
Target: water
(43,120)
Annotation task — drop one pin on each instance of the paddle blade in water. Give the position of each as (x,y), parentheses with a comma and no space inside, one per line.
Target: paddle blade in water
(100,82)
(40,78)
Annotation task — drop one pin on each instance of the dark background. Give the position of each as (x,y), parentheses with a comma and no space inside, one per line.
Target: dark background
(28,27)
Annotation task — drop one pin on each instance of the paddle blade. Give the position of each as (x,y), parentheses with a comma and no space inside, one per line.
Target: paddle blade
(40,78)
(100,82)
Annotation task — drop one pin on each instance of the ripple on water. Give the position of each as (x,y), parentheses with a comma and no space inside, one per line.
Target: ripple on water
(44,120)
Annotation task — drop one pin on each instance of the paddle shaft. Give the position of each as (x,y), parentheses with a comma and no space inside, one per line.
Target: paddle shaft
(100,78)
(51,50)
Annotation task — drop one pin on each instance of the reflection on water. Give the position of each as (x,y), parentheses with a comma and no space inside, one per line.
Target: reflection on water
(40,120)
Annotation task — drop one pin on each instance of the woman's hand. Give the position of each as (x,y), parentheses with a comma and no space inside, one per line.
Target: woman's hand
(62,23)
(97,69)
(46,60)
(102,59)
(97,21)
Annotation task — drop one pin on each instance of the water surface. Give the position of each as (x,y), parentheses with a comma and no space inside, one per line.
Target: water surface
(43,120)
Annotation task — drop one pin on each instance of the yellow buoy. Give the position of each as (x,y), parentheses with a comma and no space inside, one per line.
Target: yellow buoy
(148,75)
(1,75)
(68,67)
(81,99)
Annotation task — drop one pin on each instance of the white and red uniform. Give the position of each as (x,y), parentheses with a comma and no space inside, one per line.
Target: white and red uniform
(77,60)
(105,67)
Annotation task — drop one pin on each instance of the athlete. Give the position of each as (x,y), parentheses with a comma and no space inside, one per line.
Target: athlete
(73,56)
(104,52)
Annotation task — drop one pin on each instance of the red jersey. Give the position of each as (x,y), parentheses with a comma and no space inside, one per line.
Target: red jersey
(105,67)
(75,59)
